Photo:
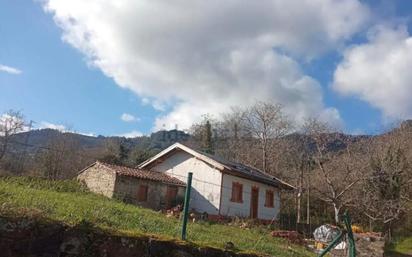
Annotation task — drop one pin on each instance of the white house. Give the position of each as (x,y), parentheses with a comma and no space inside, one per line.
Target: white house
(220,187)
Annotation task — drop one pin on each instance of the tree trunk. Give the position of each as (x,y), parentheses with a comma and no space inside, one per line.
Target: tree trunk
(308,203)
(299,196)
(337,211)
(264,156)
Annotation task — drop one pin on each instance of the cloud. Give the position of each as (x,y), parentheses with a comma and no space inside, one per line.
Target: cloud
(195,57)
(126,117)
(62,128)
(131,134)
(7,122)
(45,124)
(89,134)
(9,69)
(379,71)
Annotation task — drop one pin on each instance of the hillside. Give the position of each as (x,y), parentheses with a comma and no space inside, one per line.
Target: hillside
(67,203)
(32,140)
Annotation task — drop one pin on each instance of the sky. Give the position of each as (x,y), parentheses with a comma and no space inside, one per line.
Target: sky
(129,67)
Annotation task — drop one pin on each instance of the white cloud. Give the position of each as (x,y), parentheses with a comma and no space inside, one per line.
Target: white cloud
(126,117)
(379,72)
(62,128)
(11,122)
(131,134)
(45,124)
(9,69)
(196,57)
(89,134)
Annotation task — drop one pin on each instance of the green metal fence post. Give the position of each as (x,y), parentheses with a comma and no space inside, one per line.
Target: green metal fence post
(351,240)
(348,223)
(186,204)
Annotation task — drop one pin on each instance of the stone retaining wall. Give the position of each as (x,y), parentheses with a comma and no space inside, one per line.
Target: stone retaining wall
(28,237)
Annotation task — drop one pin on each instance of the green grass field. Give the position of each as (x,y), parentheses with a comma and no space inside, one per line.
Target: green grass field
(68,202)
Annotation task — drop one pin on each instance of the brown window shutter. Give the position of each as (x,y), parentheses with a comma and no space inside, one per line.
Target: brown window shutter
(269,199)
(171,194)
(142,193)
(237,192)
(240,197)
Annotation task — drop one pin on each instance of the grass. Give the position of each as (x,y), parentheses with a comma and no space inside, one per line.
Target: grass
(68,202)
(401,247)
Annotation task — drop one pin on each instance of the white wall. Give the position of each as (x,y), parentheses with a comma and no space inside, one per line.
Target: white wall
(205,197)
(243,209)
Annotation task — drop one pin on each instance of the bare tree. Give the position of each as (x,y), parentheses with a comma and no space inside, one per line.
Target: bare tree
(266,122)
(387,191)
(11,123)
(337,171)
(233,142)
(62,158)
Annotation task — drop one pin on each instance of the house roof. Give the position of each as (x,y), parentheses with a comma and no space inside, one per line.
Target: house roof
(139,173)
(233,168)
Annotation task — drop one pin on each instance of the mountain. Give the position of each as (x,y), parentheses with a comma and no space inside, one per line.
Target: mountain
(33,140)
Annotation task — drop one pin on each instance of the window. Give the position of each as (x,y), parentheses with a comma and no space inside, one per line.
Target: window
(142,193)
(237,192)
(171,195)
(269,199)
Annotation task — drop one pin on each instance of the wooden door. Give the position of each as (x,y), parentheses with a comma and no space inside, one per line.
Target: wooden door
(254,203)
(171,194)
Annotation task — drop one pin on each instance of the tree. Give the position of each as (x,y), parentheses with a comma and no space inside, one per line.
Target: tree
(62,157)
(387,191)
(267,123)
(137,155)
(232,141)
(11,122)
(340,166)
(123,153)
(202,134)
(207,143)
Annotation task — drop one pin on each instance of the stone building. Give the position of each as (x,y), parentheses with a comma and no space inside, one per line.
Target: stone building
(149,189)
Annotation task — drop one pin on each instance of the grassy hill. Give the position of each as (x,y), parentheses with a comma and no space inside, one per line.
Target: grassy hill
(69,203)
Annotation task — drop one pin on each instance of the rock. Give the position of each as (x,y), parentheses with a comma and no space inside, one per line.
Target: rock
(229,246)
(72,246)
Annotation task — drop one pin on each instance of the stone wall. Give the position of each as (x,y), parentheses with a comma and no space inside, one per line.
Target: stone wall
(28,237)
(99,179)
(127,188)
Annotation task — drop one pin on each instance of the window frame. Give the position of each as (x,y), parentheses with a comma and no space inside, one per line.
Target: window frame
(237,192)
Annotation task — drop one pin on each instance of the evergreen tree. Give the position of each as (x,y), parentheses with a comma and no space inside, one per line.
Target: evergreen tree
(207,138)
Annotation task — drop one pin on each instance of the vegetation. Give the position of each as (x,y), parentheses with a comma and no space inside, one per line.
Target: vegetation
(400,247)
(69,202)
(369,175)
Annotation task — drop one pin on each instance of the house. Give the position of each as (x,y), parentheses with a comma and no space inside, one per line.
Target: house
(221,187)
(149,189)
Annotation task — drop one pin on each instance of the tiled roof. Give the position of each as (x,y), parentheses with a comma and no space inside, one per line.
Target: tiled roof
(142,174)
(248,171)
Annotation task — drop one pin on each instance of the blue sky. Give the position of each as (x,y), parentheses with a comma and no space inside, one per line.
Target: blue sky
(62,79)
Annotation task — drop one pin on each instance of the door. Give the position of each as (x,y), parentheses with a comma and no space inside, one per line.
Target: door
(254,203)
(171,194)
